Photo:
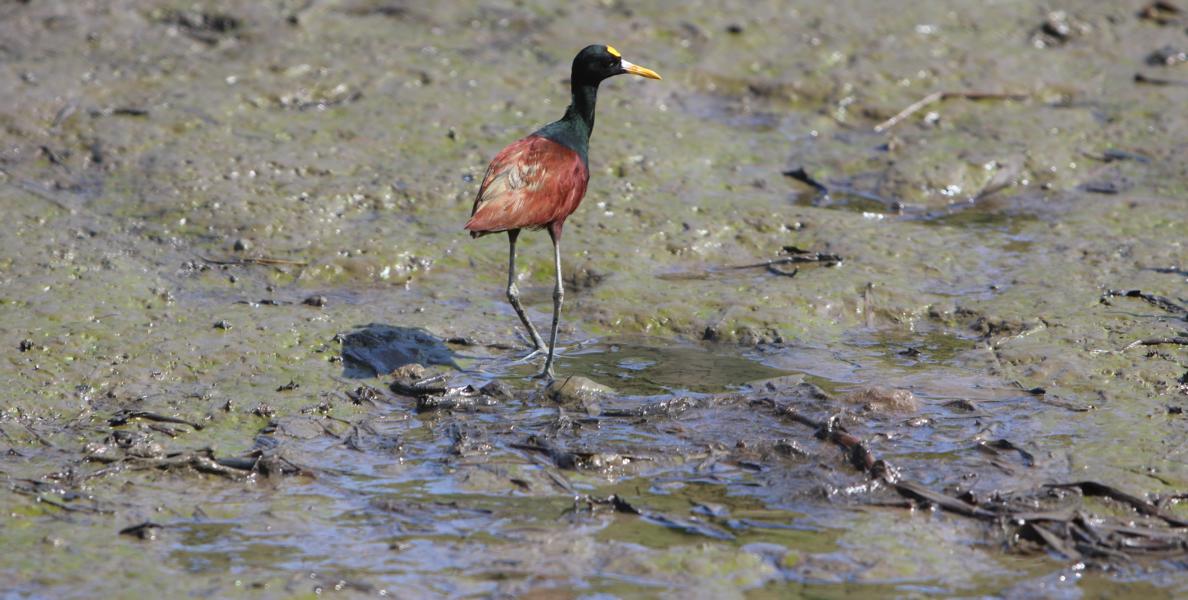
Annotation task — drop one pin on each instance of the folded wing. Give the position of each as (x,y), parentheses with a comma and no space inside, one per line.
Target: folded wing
(532,183)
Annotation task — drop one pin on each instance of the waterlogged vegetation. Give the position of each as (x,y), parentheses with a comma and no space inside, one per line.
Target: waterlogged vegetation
(860,301)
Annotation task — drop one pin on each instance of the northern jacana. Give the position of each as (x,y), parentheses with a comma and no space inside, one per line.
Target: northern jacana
(538,181)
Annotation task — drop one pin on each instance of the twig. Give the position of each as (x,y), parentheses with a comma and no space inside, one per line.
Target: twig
(1140,78)
(1160,301)
(264,260)
(84,509)
(1093,488)
(37,436)
(39,191)
(777,271)
(795,255)
(121,417)
(39,498)
(1182,341)
(799,174)
(937,97)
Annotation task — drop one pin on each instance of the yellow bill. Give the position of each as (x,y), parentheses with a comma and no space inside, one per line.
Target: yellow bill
(641,71)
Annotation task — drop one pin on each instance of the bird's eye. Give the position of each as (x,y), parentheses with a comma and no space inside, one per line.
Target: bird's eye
(610,63)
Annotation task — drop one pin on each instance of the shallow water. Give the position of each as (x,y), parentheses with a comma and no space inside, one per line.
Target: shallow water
(177,182)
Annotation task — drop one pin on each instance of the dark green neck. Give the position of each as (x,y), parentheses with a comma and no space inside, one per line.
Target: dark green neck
(581,108)
(574,129)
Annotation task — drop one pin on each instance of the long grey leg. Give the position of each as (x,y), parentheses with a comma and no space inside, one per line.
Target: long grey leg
(558,297)
(513,293)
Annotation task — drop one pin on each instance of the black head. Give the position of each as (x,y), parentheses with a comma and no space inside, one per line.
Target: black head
(597,62)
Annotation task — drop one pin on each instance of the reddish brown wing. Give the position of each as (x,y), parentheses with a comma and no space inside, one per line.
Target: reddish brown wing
(532,183)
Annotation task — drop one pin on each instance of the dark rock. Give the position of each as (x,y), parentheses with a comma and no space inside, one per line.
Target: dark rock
(381,349)
(497,390)
(1166,57)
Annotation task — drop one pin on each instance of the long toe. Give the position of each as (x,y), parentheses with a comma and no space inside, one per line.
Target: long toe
(536,345)
(528,357)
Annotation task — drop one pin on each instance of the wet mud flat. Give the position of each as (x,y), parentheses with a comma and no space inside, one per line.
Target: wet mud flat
(860,301)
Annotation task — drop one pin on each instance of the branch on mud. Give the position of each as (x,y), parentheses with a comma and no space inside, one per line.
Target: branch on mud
(939,96)
(1147,79)
(263,260)
(794,256)
(33,488)
(618,504)
(841,188)
(265,461)
(122,417)
(40,191)
(1161,12)
(1068,531)
(1093,488)
(799,174)
(1162,302)
(1179,340)
(575,460)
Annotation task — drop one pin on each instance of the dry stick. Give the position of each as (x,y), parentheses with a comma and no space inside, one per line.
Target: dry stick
(914,490)
(37,436)
(1140,78)
(1182,341)
(254,261)
(1093,488)
(37,497)
(937,97)
(1160,301)
(863,459)
(1093,544)
(799,256)
(39,191)
(83,509)
(122,417)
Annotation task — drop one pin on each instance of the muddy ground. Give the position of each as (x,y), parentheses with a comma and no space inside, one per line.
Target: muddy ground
(226,222)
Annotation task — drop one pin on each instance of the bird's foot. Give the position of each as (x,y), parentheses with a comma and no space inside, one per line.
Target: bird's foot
(546,375)
(529,357)
(535,341)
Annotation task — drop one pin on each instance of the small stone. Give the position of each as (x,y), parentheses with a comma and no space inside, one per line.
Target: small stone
(412,371)
(243,245)
(25,345)
(100,452)
(146,531)
(734,28)
(318,301)
(365,393)
(576,389)
(496,390)
(962,405)
(789,448)
(1167,56)
(222,324)
(146,449)
(880,399)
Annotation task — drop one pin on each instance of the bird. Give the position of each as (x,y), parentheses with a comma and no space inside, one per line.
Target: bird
(537,181)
